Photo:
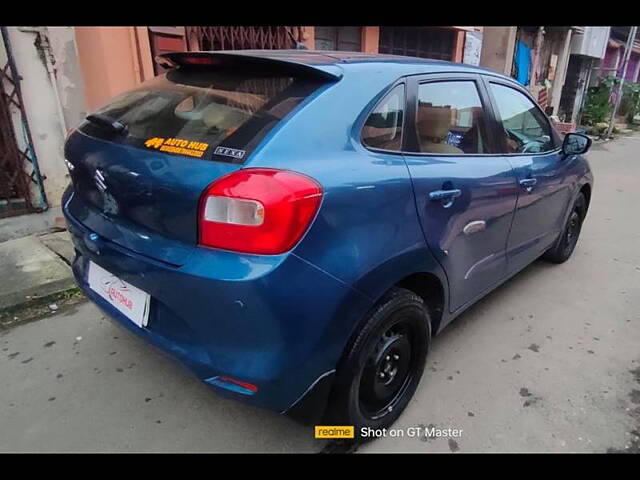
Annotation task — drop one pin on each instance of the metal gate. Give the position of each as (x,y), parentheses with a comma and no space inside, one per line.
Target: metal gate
(18,166)
(241,38)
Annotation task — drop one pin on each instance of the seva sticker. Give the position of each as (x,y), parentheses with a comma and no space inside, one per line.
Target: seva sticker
(178,146)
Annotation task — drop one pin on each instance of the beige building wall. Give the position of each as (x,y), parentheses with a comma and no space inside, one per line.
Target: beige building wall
(498,45)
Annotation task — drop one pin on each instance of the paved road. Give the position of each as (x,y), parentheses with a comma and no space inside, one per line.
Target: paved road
(548,362)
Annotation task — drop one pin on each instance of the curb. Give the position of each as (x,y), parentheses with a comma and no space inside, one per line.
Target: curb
(37,273)
(35,294)
(39,306)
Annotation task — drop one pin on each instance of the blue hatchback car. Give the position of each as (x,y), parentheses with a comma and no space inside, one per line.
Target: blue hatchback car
(295,226)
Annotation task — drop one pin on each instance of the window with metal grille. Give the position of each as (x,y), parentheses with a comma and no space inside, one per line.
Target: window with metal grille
(437,43)
(346,39)
(242,38)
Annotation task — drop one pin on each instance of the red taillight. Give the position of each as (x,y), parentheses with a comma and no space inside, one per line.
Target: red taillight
(258,210)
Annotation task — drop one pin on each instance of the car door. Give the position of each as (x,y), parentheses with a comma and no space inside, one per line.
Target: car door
(532,146)
(465,193)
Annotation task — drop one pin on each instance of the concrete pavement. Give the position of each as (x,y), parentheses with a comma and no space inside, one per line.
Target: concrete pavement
(549,362)
(76,382)
(30,269)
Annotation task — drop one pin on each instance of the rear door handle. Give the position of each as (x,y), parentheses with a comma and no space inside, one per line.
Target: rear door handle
(528,183)
(445,194)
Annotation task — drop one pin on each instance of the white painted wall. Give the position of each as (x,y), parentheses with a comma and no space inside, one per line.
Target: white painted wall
(68,74)
(52,104)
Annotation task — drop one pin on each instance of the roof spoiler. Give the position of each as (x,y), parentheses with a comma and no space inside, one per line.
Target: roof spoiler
(238,58)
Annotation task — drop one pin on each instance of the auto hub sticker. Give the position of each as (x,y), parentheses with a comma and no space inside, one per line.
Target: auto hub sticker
(178,146)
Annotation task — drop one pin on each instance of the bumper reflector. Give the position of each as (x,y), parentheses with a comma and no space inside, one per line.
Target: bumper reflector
(232,384)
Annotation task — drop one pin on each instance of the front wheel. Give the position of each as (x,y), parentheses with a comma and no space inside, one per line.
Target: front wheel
(566,243)
(381,370)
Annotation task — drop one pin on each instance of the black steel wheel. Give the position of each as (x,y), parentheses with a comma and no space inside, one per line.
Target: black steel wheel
(382,367)
(388,370)
(566,243)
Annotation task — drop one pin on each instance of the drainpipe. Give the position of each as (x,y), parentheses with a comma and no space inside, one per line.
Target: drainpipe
(585,90)
(45,47)
(625,63)
(537,47)
(133,42)
(561,73)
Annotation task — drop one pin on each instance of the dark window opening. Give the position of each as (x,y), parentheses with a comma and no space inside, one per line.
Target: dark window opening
(422,42)
(347,39)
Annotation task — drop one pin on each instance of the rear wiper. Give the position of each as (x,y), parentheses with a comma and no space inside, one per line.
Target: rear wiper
(107,122)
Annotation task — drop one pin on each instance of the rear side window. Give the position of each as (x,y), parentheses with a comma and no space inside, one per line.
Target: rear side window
(450,118)
(383,128)
(219,115)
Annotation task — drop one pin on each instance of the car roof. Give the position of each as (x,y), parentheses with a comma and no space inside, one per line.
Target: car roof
(320,59)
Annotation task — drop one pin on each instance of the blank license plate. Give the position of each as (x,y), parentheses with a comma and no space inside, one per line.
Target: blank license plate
(129,300)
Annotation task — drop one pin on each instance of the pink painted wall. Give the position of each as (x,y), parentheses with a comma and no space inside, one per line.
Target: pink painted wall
(370,39)
(632,68)
(609,61)
(113,60)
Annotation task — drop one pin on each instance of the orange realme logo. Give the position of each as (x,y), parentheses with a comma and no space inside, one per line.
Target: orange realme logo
(334,431)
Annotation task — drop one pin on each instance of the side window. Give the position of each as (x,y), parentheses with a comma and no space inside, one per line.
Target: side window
(450,118)
(525,127)
(383,128)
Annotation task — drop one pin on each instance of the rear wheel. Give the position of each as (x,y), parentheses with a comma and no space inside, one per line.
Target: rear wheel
(566,243)
(382,368)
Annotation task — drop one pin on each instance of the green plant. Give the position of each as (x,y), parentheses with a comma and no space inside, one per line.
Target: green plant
(597,107)
(630,103)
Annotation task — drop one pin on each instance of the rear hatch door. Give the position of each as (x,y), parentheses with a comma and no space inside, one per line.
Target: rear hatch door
(140,163)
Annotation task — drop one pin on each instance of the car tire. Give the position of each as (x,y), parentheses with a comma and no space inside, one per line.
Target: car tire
(566,243)
(381,369)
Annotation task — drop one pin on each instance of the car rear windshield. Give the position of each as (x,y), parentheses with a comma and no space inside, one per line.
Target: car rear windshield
(213,115)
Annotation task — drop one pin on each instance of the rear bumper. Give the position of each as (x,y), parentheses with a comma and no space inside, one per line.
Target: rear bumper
(277,322)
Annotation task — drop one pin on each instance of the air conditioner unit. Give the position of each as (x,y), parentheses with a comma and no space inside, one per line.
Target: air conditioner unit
(590,41)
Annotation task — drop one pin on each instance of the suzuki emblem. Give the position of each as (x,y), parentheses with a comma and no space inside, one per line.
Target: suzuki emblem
(99,178)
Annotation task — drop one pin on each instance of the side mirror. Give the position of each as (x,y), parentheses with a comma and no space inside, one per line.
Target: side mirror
(575,144)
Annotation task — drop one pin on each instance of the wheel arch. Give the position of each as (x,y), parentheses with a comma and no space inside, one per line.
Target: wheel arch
(416,270)
(586,191)
(430,288)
